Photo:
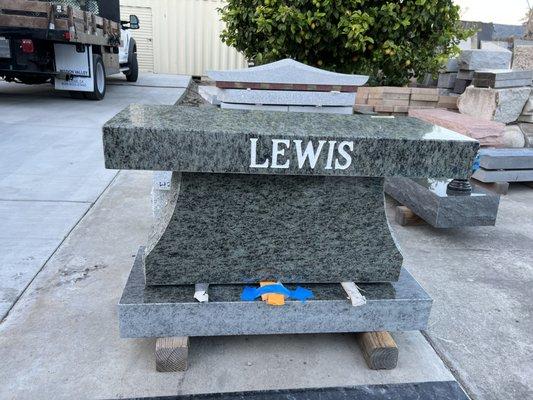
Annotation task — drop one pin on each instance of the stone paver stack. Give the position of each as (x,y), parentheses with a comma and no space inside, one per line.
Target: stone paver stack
(284,85)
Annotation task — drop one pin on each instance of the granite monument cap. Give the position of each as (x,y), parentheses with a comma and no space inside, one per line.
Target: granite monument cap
(210,140)
(288,71)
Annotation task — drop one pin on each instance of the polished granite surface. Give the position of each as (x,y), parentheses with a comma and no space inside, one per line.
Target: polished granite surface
(428,199)
(442,390)
(234,228)
(238,141)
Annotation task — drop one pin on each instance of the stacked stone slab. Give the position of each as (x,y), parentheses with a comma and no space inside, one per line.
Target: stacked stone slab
(293,197)
(501,105)
(505,165)
(284,85)
(397,100)
(470,61)
(502,78)
(488,133)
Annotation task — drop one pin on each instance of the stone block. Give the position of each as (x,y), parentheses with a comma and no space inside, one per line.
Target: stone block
(449,102)
(428,199)
(502,78)
(452,65)
(147,311)
(461,85)
(477,59)
(527,130)
(523,57)
(502,105)
(465,74)
(447,80)
(488,133)
(528,107)
(286,97)
(496,159)
(513,137)
(213,140)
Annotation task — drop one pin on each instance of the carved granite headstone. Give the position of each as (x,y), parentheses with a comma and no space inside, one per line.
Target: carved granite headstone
(292,197)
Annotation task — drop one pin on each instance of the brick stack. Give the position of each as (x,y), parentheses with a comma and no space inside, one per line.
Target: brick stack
(399,100)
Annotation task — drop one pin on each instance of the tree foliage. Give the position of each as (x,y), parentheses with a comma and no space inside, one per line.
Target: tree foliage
(392,41)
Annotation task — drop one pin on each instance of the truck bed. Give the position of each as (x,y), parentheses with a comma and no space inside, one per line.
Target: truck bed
(57,22)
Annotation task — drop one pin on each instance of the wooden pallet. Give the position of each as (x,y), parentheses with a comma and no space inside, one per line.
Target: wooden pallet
(83,26)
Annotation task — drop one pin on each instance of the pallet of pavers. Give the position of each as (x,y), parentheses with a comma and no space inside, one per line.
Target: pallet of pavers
(274,223)
(505,165)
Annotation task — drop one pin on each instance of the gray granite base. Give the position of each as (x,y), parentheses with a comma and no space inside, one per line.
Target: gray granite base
(163,311)
(236,228)
(517,175)
(428,199)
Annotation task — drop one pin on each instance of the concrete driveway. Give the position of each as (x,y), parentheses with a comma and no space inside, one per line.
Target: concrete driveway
(51,167)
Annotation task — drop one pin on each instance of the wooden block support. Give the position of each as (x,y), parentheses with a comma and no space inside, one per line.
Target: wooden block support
(379,349)
(171,354)
(405,216)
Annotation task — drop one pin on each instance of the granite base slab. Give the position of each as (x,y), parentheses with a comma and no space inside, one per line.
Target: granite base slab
(506,158)
(511,175)
(428,199)
(163,311)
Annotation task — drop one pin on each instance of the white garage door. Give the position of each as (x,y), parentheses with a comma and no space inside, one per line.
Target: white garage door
(143,36)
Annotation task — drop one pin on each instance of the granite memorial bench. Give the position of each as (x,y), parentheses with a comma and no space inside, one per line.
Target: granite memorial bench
(290,197)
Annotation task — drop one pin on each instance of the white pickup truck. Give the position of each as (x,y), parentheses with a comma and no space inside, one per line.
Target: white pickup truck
(74,44)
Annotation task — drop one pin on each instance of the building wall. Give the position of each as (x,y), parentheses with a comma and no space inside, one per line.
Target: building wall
(182,38)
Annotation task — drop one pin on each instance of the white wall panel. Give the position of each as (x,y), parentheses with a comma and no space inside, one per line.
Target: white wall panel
(186,36)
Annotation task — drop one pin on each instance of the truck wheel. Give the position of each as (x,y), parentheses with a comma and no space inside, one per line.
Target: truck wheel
(133,73)
(99,79)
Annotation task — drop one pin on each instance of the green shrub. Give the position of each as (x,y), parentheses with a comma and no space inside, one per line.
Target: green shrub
(392,41)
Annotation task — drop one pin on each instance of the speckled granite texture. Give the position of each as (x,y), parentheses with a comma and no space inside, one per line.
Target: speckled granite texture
(189,139)
(439,390)
(233,228)
(162,311)
(428,199)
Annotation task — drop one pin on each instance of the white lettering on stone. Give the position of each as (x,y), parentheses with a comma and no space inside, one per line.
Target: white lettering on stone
(276,151)
(329,161)
(345,155)
(338,156)
(309,153)
(253,155)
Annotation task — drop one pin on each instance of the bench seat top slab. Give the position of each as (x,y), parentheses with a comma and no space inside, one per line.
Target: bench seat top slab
(211,140)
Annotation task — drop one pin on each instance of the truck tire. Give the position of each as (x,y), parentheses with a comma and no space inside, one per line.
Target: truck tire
(100,85)
(133,73)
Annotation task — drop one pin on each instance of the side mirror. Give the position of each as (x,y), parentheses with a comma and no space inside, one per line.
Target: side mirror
(134,22)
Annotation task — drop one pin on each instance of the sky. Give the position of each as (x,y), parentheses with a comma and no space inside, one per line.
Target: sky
(498,11)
